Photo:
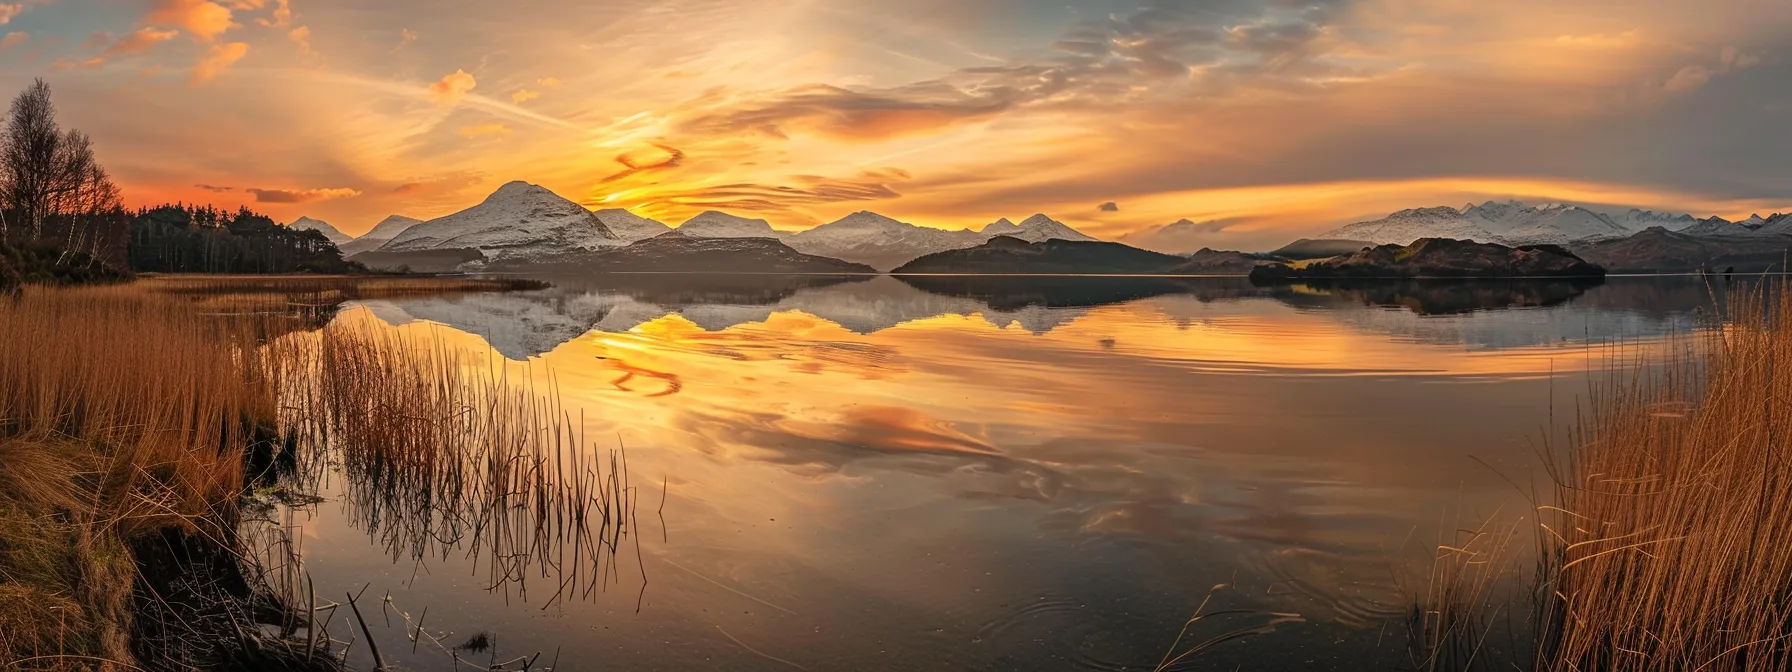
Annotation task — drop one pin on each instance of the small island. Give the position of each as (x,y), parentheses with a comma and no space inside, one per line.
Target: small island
(1438,258)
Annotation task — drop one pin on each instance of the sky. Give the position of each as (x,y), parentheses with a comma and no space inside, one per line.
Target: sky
(1258,121)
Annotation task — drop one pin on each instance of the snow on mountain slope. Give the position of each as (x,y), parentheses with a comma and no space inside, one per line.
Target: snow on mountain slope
(713,224)
(1558,224)
(880,242)
(1638,220)
(1405,226)
(1508,223)
(519,220)
(1035,229)
(309,224)
(380,234)
(630,227)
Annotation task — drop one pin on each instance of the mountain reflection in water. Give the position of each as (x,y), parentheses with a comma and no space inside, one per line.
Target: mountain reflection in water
(1021,473)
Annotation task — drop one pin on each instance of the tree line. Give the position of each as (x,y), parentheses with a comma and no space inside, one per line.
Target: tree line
(62,218)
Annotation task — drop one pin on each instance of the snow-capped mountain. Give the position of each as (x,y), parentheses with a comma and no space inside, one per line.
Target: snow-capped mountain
(1405,226)
(1509,223)
(1560,224)
(881,242)
(519,220)
(309,224)
(1638,220)
(630,227)
(1035,229)
(380,234)
(713,224)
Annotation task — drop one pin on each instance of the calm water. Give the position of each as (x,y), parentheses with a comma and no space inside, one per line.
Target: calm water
(1009,474)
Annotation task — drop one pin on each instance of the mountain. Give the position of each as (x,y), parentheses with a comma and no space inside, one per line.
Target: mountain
(1641,220)
(1715,226)
(713,224)
(1659,250)
(630,227)
(881,242)
(380,234)
(1310,248)
(1217,262)
(518,220)
(1439,258)
(309,224)
(1038,228)
(1007,255)
(677,252)
(1509,223)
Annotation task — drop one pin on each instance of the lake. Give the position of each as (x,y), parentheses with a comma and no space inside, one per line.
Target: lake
(946,473)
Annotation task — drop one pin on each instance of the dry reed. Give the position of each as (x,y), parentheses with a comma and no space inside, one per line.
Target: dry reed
(442,452)
(130,410)
(1668,546)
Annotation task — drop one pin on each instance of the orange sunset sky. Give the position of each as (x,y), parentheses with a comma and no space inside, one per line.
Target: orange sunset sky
(1263,120)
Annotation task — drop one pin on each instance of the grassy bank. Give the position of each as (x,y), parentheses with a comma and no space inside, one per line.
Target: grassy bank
(131,418)
(1662,536)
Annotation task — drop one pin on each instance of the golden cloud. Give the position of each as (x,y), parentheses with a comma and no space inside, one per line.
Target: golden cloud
(523,96)
(450,88)
(217,60)
(300,195)
(204,19)
(14,39)
(10,11)
(549,82)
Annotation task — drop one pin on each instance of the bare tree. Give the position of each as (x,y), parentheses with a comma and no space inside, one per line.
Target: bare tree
(47,173)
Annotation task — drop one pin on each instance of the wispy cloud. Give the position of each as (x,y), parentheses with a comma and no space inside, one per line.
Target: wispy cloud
(300,195)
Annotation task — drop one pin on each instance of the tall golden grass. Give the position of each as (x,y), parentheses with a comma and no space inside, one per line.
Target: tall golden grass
(1670,543)
(117,407)
(1664,537)
(127,410)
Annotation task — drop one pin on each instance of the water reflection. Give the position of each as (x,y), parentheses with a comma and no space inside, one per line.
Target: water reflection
(1022,474)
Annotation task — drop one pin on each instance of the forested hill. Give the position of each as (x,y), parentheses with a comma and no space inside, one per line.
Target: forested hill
(192,239)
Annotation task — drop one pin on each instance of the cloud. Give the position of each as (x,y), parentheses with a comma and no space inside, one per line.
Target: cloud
(1109,206)
(486,131)
(523,96)
(10,11)
(282,15)
(204,19)
(301,36)
(218,59)
(405,38)
(14,39)
(798,191)
(98,40)
(844,114)
(137,42)
(1687,79)
(450,88)
(1694,77)
(634,165)
(300,195)
(549,82)
(213,188)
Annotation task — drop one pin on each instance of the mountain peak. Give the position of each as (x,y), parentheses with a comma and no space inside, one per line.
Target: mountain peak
(320,226)
(718,224)
(518,220)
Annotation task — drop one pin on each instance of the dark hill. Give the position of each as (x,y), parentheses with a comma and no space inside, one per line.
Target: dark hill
(1440,258)
(1311,248)
(1658,250)
(1006,255)
(675,252)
